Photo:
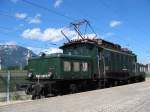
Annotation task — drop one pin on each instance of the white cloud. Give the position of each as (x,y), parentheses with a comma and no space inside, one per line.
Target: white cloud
(49,34)
(106,35)
(32,33)
(11,43)
(114,23)
(57,3)
(46,50)
(8,43)
(90,36)
(36,19)
(35,50)
(144,61)
(31,20)
(21,15)
(52,50)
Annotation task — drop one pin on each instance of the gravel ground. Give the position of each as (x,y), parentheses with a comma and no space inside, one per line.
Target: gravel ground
(128,98)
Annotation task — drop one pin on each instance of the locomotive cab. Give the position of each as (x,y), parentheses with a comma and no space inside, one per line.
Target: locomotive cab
(59,67)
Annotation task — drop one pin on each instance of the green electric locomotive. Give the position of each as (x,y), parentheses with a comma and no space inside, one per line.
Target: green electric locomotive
(85,64)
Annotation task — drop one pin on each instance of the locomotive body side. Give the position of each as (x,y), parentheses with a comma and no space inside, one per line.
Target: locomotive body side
(119,66)
(110,61)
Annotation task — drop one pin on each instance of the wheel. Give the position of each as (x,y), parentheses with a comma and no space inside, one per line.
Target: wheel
(44,92)
(116,83)
(37,91)
(73,88)
(28,90)
(33,95)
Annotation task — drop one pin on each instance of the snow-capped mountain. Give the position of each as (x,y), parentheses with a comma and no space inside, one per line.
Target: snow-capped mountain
(14,55)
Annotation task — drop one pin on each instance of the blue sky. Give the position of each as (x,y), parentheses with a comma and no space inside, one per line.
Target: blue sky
(125,22)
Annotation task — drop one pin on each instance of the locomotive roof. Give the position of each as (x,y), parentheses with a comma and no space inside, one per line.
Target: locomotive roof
(98,42)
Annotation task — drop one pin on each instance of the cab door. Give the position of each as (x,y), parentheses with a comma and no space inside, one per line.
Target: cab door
(101,64)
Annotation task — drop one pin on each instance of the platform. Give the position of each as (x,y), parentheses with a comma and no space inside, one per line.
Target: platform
(128,98)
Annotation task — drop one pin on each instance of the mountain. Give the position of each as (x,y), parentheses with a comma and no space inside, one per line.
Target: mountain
(14,55)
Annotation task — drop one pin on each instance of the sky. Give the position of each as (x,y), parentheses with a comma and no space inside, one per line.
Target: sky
(37,24)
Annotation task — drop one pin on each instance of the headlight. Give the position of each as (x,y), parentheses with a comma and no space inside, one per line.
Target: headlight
(49,74)
(29,74)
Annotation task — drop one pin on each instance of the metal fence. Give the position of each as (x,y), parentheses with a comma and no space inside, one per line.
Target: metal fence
(10,82)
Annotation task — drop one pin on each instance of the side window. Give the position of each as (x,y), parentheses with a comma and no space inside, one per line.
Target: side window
(76,66)
(67,66)
(84,66)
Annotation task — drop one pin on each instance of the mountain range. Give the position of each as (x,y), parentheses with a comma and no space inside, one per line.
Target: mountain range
(14,55)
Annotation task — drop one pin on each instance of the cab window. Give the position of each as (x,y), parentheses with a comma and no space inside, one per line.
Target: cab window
(76,66)
(84,66)
(67,66)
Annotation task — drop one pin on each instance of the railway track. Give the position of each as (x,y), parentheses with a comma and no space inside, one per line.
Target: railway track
(133,97)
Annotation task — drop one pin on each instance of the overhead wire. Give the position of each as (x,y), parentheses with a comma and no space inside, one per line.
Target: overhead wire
(5,31)
(57,13)
(47,9)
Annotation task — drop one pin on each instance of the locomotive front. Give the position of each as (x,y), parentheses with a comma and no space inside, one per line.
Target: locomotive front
(42,68)
(55,73)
